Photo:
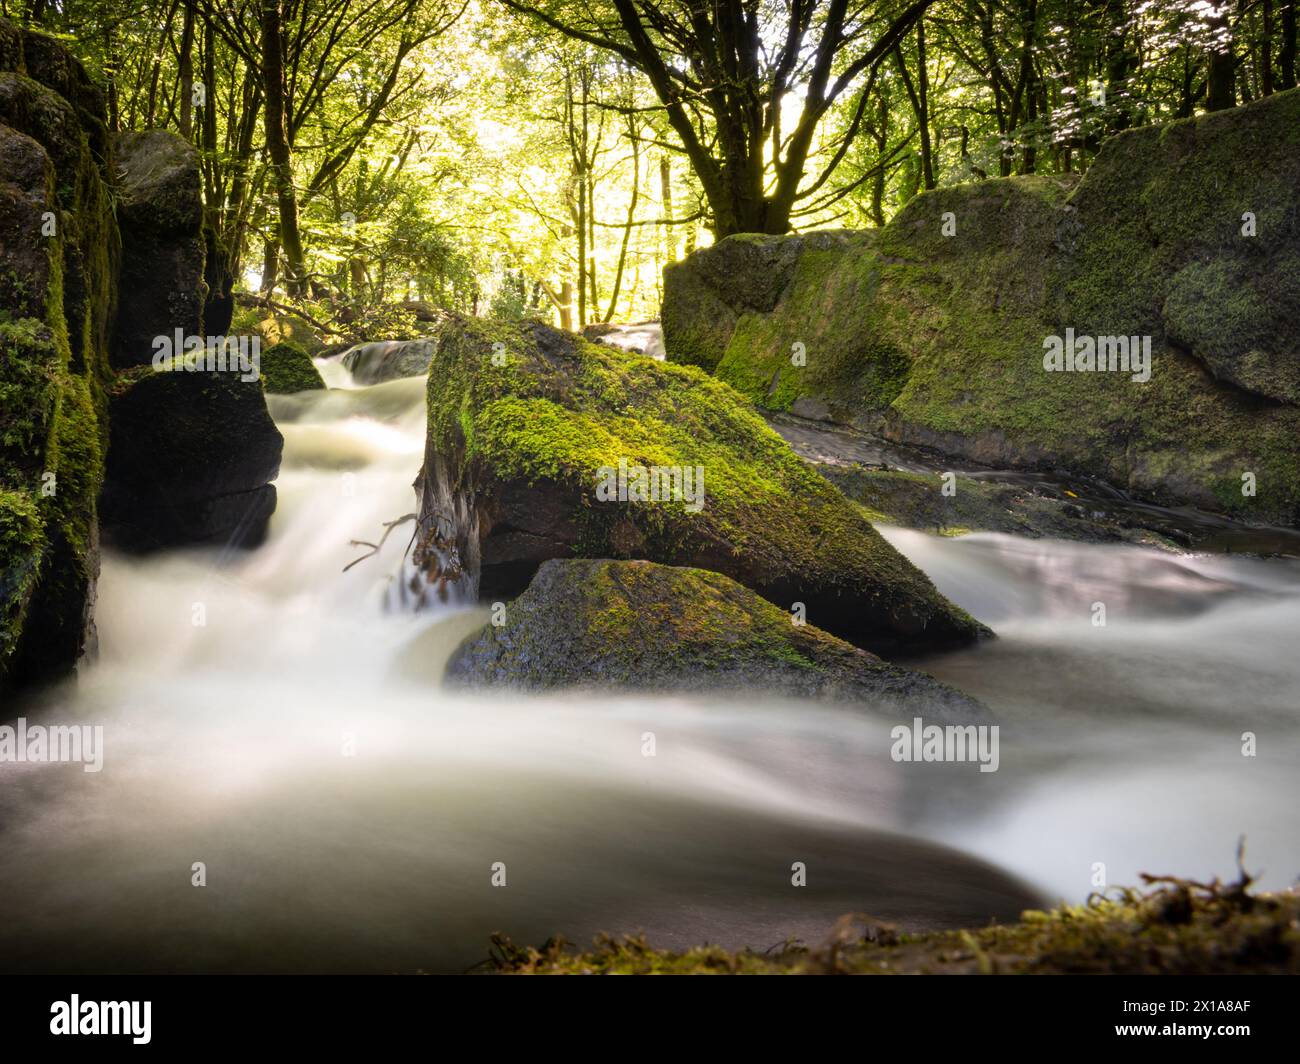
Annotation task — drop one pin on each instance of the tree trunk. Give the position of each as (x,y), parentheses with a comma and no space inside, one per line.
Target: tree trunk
(881,136)
(1286,58)
(270,266)
(631,217)
(187,72)
(277,145)
(1121,61)
(1266,51)
(1221,93)
(923,101)
(666,194)
(566,306)
(110,75)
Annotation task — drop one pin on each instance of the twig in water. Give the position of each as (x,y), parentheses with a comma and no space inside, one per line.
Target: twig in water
(376,547)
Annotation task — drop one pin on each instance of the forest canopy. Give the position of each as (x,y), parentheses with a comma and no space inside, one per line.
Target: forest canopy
(368,161)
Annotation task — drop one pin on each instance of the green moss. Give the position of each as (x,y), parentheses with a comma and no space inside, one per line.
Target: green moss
(29,359)
(75,458)
(286,368)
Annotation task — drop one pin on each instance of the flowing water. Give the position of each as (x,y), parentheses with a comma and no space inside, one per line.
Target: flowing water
(280,721)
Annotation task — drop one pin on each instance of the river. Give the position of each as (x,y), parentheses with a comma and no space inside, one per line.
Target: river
(278,721)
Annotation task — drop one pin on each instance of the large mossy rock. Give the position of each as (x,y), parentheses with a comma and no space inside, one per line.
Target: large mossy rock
(635,625)
(189,462)
(58,248)
(523,418)
(938,339)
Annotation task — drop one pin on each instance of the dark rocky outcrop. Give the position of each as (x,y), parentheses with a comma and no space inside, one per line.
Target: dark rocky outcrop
(160,212)
(287,368)
(522,419)
(916,500)
(938,340)
(189,461)
(65,185)
(191,452)
(635,625)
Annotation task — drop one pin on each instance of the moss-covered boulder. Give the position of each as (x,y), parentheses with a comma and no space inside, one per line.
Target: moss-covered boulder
(932,330)
(529,428)
(57,267)
(190,460)
(287,368)
(191,452)
(636,625)
(48,62)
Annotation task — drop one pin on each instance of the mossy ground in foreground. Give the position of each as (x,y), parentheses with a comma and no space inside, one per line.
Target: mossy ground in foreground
(1174,927)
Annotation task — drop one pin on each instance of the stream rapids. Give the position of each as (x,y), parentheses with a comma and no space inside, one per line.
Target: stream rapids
(279,722)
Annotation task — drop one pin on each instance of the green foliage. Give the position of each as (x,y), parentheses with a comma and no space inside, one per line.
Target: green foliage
(445,155)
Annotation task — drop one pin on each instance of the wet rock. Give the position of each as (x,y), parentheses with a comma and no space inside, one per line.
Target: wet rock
(388,360)
(189,461)
(57,239)
(634,625)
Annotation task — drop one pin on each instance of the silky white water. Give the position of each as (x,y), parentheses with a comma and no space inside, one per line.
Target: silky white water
(280,723)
